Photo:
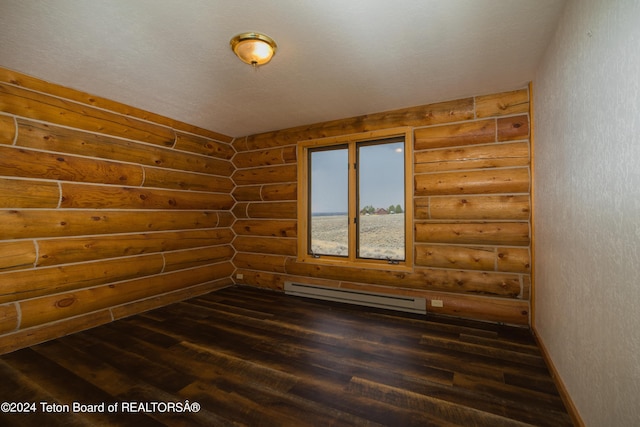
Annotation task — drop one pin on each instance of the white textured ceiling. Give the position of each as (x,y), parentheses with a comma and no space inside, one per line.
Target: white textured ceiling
(336,58)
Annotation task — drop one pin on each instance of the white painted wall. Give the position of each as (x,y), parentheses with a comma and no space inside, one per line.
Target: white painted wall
(587,207)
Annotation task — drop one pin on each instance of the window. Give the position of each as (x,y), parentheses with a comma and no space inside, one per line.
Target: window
(354,199)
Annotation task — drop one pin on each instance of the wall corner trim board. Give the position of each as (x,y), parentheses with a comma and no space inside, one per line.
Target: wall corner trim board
(107,210)
(562,389)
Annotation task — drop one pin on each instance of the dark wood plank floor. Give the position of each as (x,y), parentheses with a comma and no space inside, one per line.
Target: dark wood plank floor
(248,357)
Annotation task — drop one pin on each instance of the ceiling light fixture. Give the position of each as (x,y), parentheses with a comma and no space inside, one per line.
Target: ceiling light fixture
(253,48)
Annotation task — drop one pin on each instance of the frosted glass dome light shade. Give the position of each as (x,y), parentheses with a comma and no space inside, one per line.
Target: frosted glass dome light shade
(253,48)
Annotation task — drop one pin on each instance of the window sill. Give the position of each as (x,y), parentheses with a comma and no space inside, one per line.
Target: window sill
(362,264)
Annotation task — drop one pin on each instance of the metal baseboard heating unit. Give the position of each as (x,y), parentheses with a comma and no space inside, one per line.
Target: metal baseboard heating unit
(369,299)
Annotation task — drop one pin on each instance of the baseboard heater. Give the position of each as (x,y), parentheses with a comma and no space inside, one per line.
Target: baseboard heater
(369,299)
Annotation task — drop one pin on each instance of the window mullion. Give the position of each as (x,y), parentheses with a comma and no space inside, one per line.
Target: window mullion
(353,202)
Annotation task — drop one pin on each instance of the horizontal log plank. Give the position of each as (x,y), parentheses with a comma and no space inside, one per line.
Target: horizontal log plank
(447,280)
(22,80)
(20,285)
(26,224)
(17,193)
(512,180)
(262,279)
(265,175)
(473,207)
(516,260)
(197,257)
(275,210)
(139,306)
(421,208)
(52,308)
(513,128)
(17,255)
(32,336)
(460,257)
(8,318)
(26,163)
(276,192)
(80,196)
(202,145)
(457,134)
(472,282)
(168,178)
(252,159)
(267,192)
(513,312)
(225,219)
(488,233)
(511,260)
(266,227)
(38,106)
(265,245)
(247,193)
(239,210)
(496,284)
(504,103)
(475,157)
(73,141)
(290,154)
(72,250)
(424,115)
(261,262)
(7,129)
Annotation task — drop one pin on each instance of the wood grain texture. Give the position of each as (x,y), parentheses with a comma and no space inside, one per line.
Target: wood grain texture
(505,103)
(252,357)
(25,224)
(9,320)
(22,80)
(17,255)
(101,195)
(73,141)
(465,133)
(51,308)
(494,233)
(186,180)
(468,258)
(18,285)
(469,282)
(197,257)
(79,249)
(265,175)
(265,227)
(279,192)
(475,157)
(15,193)
(82,196)
(7,129)
(202,145)
(473,207)
(27,163)
(513,128)
(512,180)
(260,262)
(266,245)
(43,107)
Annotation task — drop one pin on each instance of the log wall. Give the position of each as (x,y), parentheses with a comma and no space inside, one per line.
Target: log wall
(105,210)
(472,239)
